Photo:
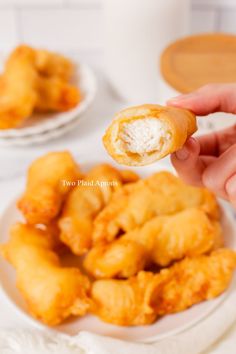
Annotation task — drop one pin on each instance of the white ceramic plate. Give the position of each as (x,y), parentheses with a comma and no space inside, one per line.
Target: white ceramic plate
(167,326)
(44,123)
(42,137)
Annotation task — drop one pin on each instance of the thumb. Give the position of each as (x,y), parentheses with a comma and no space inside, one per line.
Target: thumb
(188,164)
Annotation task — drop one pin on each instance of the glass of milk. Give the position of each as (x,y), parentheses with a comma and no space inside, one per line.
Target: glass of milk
(136,32)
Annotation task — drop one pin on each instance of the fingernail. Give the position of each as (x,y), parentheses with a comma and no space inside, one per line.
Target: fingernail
(180,98)
(182,154)
(230,186)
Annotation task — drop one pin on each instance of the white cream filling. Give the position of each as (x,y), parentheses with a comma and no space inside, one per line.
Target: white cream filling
(144,135)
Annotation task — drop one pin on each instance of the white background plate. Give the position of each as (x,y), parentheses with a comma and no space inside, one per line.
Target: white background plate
(164,327)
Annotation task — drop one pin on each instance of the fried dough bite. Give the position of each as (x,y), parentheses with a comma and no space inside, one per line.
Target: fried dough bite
(129,176)
(143,298)
(52,293)
(35,80)
(53,233)
(161,240)
(160,194)
(123,302)
(18,86)
(121,258)
(84,202)
(55,95)
(52,64)
(141,135)
(191,281)
(189,233)
(50,178)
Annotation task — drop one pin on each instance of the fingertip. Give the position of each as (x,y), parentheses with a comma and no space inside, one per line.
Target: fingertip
(182,154)
(190,148)
(230,187)
(179,100)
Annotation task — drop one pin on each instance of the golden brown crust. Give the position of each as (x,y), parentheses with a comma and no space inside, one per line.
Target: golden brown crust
(181,124)
(147,296)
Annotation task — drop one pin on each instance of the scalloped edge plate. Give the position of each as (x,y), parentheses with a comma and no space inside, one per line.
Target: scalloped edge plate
(163,328)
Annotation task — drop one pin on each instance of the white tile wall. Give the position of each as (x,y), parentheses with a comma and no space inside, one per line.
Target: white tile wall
(203,20)
(65,28)
(32,3)
(8,29)
(76,25)
(214,3)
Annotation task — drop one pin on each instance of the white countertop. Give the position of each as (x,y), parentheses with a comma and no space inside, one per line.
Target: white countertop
(84,139)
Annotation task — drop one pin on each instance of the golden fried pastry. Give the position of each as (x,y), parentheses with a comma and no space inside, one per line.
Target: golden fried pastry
(55,95)
(191,281)
(52,293)
(50,178)
(161,240)
(53,233)
(84,202)
(189,233)
(129,176)
(141,135)
(51,64)
(35,80)
(147,296)
(18,88)
(136,203)
(121,258)
(123,302)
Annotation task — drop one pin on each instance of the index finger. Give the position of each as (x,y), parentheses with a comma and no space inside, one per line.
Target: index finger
(208,99)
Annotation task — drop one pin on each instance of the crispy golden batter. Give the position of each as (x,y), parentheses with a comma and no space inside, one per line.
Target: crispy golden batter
(123,302)
(160,194)
(52,293)
(191,281)
(161,240)
(84,202)
(55,95)
(47,186)
(129,176)
(121,258)
(188,233)
(51,64)
(53,233)
(35,80)
(141,299)
(18,85)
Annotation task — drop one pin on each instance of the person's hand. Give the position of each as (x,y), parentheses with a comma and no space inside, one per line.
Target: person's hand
(209,160)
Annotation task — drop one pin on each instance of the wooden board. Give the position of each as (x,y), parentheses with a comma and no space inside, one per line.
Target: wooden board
(194,61)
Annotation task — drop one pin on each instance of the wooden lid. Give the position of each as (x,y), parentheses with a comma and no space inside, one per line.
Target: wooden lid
(197,60)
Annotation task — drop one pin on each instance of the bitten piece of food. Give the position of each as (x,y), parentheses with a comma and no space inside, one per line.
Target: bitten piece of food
(49,180)
(160,194)
(142,299)
(141,135)
(52,292)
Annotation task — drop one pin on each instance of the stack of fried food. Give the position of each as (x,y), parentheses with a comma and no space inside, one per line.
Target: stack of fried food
(149,247)
(35,81)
